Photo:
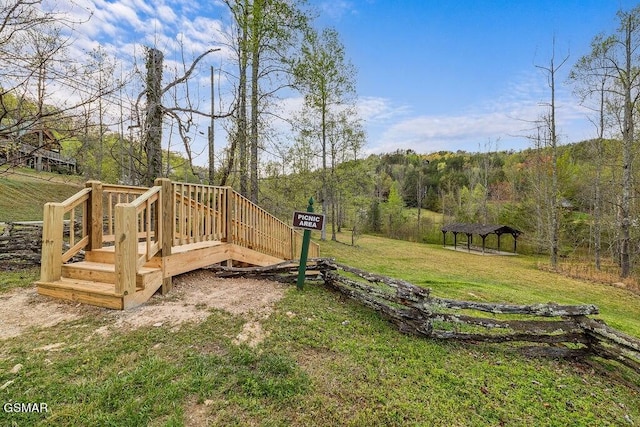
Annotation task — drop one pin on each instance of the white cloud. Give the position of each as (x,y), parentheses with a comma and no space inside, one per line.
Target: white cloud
(166,14)
(116,12)
(336,9)
(122,26)
(379,110)
(508,118)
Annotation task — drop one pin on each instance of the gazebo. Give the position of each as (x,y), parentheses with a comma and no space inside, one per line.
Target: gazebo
(482,230)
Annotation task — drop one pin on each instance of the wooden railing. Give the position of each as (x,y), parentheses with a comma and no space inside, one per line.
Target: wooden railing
(113,195)
(60,239)
(136,222)
(199,213)
(254,228)
(314,248)
(167,215)
(205,213)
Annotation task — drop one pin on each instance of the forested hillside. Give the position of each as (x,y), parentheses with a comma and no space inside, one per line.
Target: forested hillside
(498,187)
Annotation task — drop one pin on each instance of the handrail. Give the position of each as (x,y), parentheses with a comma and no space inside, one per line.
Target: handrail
(138,219)
(74,200)
(145,196)
(199,212)
(131,189)
(256,228)
(206,212)
(143,204)
(53,233)
(80,198)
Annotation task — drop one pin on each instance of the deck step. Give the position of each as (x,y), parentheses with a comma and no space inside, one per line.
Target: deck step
(85,291)
(106,273)
(107,256)
(90,271)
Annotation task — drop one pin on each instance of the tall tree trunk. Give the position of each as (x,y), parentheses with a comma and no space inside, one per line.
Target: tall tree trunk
(242,100)
(323,234)
(627,146)
(211,135)
(555,229)
(153,131)
(230,162)
(554,208)
(597,196)
(332,184)
(255,67)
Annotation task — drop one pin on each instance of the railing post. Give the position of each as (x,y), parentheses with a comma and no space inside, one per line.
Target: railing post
(292,243)
(94,215)
(52,231)
(167,224)
(126,236)
(228,212)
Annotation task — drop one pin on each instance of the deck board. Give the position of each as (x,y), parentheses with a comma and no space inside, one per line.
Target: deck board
(195,246)
(100,288)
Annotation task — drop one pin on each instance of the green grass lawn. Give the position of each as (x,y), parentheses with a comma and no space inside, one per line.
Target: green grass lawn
(327,361)
(24,192)
(412,215)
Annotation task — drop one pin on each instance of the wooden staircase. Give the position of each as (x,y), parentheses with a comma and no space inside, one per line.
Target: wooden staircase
(135,239)
(93,282)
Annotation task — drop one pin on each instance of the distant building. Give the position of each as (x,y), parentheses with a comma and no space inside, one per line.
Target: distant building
(36,148)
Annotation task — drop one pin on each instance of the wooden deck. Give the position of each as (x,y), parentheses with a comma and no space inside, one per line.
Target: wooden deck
(147,236)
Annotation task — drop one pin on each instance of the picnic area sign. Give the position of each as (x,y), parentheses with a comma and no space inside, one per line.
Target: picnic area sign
(308,220)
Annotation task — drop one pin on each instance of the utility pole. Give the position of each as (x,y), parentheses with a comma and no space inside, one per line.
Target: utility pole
(211,135)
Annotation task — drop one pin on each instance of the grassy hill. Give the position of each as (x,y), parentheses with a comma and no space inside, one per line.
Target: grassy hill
(24,192)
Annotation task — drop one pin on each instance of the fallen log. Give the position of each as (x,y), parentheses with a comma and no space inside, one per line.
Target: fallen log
(530,326)
(613,353)
(523,337)
(407,320)
(282,267)
(611,343)
(544,310)
(600,330)
(405,289)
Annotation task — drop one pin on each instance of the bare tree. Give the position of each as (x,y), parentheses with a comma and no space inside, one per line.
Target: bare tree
(326,78)
(550,121)
(42,87)
(618,59)
(264,39)
(592,79)
(155,109)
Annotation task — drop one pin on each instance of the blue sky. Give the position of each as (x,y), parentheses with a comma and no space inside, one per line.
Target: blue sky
(432,74)
(462,74)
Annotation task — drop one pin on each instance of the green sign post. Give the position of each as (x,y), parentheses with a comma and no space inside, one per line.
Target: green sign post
(306,239)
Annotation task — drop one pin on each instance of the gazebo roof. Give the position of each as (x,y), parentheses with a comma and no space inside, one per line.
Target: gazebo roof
(481,229)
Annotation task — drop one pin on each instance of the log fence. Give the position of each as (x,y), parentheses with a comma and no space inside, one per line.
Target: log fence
(566,329)
(545,329)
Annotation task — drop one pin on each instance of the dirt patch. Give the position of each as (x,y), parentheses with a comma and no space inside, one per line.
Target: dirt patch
(22,309)
(193,297)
